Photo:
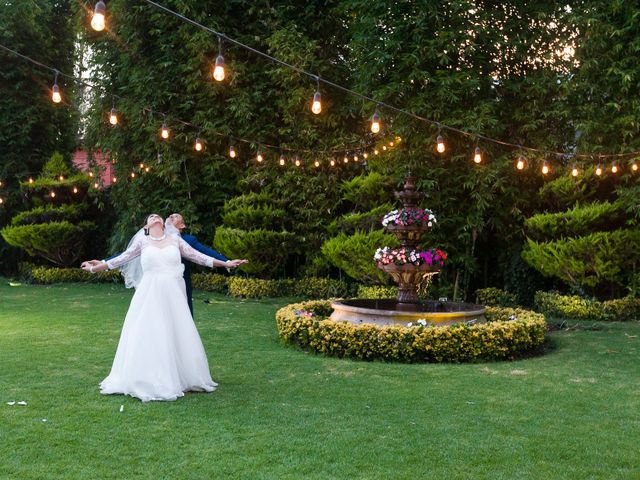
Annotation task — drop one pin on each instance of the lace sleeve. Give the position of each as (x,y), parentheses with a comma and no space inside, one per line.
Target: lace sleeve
(129,254)
(195,256)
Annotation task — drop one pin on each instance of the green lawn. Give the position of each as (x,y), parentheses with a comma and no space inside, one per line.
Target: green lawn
(281,413)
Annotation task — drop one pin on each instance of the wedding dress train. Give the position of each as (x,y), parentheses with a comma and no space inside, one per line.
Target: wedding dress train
(160,355)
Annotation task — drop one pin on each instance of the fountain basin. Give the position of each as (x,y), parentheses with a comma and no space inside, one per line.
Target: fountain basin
(382,312)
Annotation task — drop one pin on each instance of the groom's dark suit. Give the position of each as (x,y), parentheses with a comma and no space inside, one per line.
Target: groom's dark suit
(195,244)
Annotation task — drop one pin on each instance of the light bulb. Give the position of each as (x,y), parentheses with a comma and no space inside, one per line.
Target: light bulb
(95,185)
(53,194)
(297,162)
(346,159)
(114,180)
(598,170)
(55,94)
(375,122)
(164,133)
(440,144)
(384,148)
(332,163)
(97,21)
(355,158)
(218,69)
(545,168)
(75,189)
(521,163)
(91,174)
(376,152)
(1,201)
(634,166)
(477,156)
(141,165)
(316,106)
(61,178)
(232,151)
(398,139)
(614,168)
(391,144)
(574,171)
(147,169)
(198,145)
(316,163)
(259,157)
(133,174)
(113,117)
(282,160)
(365,155)
(30,180)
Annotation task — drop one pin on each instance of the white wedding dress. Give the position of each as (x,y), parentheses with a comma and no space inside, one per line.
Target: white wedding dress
(160,355)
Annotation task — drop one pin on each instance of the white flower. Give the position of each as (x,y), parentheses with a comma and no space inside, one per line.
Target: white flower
(430,224)
(422,322)
(410,324)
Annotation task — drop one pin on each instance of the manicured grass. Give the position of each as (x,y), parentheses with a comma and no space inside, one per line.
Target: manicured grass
(280,413)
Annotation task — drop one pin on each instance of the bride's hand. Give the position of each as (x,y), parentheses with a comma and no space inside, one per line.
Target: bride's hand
(89,263)
(235,263)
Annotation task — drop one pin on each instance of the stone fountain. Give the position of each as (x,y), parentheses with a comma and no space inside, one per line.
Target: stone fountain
(408,265)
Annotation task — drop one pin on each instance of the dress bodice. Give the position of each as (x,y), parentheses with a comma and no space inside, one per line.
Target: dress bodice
(162,260)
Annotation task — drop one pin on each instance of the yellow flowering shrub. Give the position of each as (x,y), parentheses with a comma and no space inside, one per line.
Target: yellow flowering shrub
(508,333)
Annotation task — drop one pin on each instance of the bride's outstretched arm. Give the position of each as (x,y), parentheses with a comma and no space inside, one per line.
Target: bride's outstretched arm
(201,259)
(129,254)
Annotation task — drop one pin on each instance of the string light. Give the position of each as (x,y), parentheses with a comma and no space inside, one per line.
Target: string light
(440,148)
(55,90)
(545,168)
(164,131)
(95,185)
(52,194)
(218,69)
(391,144)
(90,174)
(345,159)
(376,152)
(332,162)
(75,189)
(141,166)
(355,158)
(97,21)
(614,168)
(521,163)
(574,170)
(133,174)
(316,105)
(282,161)
(147,169)
(1,201)
(375,122)
(598,170)
(61,178)
(365,155)
(297,162)
(316,163)
(114,180)
(259,156)
(384,148)
(477,156)
(198,145)
(113,117)
(232,150)
(634,166)
(30,180)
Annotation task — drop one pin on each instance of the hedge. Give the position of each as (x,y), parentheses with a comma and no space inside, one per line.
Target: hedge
(578,308)
(495,297)
(509,333)
(49,275)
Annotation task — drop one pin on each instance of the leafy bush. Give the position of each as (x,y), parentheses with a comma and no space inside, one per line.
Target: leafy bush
(253,211)
(58,242)
(578,308)
(310,287)
(377,291)
(580,220)
(499,338)
(368,191)
(495,297)
(49,213)
(587,261)
(55,167)
(318,287)
(353,222)
(354,254)
(210,282)
(265,249)
(49,275)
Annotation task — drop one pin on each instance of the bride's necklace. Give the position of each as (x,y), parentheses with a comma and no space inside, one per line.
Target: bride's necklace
(157,239)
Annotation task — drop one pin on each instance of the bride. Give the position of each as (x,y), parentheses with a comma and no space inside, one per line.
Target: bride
(160,355)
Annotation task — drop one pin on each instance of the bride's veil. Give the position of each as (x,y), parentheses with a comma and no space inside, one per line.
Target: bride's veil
(132,271)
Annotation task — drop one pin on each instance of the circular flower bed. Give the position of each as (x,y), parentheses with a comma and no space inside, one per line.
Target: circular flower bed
(508,333)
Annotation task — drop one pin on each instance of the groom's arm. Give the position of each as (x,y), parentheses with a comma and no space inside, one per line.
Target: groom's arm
(194,243)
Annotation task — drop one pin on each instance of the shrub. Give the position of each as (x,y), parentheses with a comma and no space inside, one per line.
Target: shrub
(354,254)
(252,211)
(319,287)
(353,222)
(580,220)
(49,275)
(578,308)
(58,242)
(254,287)
(210,282)
(377,291)
(495,297)
(368,191)
(266,250)
(310,287)
(499,338)
(48,213)
(589,260)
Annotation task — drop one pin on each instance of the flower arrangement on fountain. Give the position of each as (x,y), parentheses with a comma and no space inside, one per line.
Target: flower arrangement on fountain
(403,256)
(411,216)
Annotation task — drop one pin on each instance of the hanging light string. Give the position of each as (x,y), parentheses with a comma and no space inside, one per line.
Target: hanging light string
(378,103)
(359,145)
